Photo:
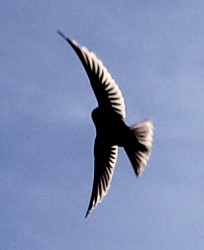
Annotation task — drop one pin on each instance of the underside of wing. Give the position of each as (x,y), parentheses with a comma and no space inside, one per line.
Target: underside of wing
(105,160)
(106,90)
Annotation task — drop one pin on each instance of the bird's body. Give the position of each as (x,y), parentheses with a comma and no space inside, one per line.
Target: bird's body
(111,130)
(110,127)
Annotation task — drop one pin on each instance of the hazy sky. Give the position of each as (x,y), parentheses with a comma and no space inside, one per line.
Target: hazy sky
(155,52)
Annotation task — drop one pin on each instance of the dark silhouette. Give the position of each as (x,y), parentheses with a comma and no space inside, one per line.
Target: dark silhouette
(111,131)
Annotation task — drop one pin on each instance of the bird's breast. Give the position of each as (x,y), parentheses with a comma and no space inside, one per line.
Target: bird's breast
(110,126)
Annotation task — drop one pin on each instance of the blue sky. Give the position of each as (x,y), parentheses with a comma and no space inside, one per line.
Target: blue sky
(154,51)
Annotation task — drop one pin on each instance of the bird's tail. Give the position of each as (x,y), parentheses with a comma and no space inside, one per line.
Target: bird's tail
(139,155)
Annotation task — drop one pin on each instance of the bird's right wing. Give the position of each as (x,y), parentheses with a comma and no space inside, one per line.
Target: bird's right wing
(105,160)
(106,90)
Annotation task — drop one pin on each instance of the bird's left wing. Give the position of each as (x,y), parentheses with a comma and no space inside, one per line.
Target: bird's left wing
(106,90)
(105,160)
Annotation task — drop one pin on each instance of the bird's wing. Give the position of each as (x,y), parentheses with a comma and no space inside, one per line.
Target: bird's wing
(106,90)
(105,160)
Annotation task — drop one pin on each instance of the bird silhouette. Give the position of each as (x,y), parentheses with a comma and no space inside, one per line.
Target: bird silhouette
(111,130)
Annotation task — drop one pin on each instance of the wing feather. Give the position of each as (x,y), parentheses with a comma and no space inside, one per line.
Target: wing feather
(105,160)
(106,90)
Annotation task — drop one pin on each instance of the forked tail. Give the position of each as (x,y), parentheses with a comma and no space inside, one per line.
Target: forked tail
(140,154)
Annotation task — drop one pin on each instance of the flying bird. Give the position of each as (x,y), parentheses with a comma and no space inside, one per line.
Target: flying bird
(111,130)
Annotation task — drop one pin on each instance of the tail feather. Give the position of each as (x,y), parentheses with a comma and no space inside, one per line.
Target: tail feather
(140,155)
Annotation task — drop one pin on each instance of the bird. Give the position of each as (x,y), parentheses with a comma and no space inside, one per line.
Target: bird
(111,130)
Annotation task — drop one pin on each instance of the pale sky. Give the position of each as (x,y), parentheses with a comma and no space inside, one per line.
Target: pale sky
(155,52)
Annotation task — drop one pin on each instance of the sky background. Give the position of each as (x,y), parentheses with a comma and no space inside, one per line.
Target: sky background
(155,52)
